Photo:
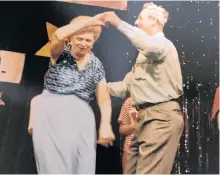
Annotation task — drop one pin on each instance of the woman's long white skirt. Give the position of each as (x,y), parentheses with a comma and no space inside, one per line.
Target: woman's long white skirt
(64,134)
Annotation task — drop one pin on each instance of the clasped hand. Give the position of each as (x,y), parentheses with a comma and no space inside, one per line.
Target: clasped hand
(106,135)
(108,17)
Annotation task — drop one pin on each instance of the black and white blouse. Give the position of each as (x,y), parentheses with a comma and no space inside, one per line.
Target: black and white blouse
(64,77)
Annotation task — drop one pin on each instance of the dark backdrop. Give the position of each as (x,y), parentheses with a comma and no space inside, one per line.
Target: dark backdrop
(194,29)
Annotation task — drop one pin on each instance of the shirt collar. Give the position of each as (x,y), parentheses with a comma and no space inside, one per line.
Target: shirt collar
(159,34)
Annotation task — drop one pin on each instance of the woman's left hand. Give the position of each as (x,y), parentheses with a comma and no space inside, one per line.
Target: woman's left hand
(106,135)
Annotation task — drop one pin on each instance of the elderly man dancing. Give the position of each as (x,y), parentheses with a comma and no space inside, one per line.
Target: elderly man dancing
(155,85)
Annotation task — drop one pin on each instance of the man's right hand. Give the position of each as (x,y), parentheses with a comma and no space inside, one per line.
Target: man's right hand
(112,18)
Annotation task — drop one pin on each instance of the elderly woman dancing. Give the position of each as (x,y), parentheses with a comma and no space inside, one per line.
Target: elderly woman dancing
(61,121)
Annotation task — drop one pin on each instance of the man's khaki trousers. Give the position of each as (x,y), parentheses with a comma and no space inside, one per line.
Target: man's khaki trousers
(156,139)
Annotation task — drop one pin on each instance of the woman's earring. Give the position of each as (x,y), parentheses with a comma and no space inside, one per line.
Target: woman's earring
(68,42)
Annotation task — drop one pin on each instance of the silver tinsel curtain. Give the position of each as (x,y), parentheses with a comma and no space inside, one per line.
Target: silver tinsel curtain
(198,149)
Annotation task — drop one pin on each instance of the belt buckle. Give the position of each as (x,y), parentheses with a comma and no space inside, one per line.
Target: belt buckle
(137,107)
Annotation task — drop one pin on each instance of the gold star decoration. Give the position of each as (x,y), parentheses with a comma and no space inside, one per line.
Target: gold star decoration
(1,102)
(45,50)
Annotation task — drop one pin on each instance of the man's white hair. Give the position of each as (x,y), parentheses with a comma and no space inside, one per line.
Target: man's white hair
(157,11)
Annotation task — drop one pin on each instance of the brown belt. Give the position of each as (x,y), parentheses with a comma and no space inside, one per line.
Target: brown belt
(147,104)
